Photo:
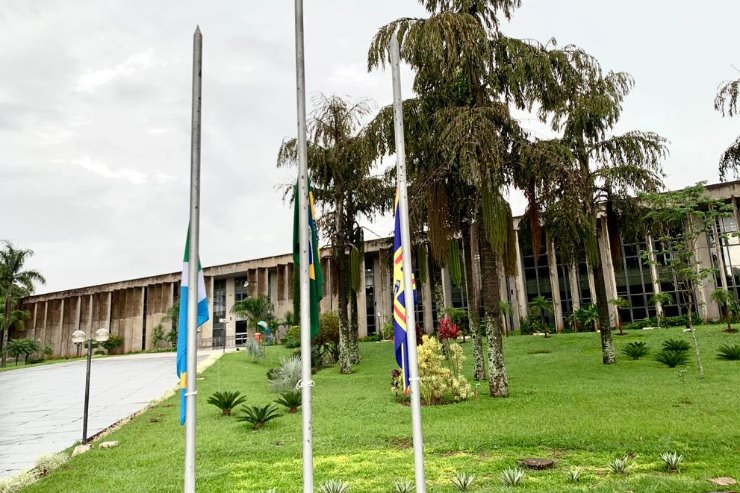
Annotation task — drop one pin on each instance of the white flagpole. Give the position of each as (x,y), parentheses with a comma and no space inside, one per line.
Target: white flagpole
(408,289)
(192,345)
(306,383)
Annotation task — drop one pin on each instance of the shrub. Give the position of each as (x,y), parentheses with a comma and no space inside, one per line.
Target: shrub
(388,330)
(226,401)
(113,343)
(512,476)
(47,463)
(730,353)
(22,347)
(372,338)
(257,417)
(635,350)
(402,487)
(619,465)
(328,337)
(671,461)
(439,383)
(285,377)
(463,481)
(293,337)
(447,330)
(291,400)
(672,358)
(573,475)
(334,486)
(17,483)
(157,335)
(255,350)
(676,345)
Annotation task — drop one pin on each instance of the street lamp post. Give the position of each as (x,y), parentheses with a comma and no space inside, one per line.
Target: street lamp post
(78,337)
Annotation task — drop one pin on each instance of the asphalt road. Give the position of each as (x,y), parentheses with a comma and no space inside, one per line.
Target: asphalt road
(41,407)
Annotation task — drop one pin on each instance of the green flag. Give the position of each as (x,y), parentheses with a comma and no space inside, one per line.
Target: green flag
(316,277)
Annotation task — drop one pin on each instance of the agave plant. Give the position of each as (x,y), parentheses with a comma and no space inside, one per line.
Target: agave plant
(731,353)
(255,350)
(226,401)
(463,481)
(334,486)
(676,345)
(512,476)
(672,358)
(574,474)
(291,400)
(285,377)
(635,350)
(619,465)
(258,416)
(402,487)
(671,460)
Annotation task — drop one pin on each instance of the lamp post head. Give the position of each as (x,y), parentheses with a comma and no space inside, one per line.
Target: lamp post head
(78,336)
(102,335)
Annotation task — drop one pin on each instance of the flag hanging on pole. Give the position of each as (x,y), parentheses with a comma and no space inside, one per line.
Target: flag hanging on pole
(182,322)
(315,275)
(399,301)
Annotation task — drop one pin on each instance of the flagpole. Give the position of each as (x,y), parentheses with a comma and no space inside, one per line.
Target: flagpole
(306,383)
(191,391)
(408,288)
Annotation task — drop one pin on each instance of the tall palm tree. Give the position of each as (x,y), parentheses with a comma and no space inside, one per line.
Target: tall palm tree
(463,143)
(726,103)
(15,282)
(340,160)
(588,173)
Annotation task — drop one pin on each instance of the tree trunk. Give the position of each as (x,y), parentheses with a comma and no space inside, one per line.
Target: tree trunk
(6,326)
(498,385)
(345,362)
(690,324)
(608,353)
(354,356)
(470,244)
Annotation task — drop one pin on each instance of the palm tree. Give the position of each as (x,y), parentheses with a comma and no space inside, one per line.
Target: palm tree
(726,103)
(619,304)
(663,299)
(463,151)
(15,282)
(340,160)
(255,309)
(540,306)
(724,299)
(588,174)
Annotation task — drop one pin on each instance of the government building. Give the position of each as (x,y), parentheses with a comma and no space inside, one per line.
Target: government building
(133,308)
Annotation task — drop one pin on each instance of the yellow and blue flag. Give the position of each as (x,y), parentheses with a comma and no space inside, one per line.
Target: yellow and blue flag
(182,321)
(315,275)
(399,301)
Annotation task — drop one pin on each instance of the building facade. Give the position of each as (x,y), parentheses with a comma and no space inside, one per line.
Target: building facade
(134,309)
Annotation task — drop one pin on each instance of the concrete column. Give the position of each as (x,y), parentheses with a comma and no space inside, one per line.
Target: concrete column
(59,343)
(230,319)
(591,282)
(43,332)
(446,287)
(554,283)
(503,295)
(78,317)
(520,287)
(575,290)
(428,299)
(704,289)
(720,257)
(361,302)
(607,265)
(35,321)
(654,277)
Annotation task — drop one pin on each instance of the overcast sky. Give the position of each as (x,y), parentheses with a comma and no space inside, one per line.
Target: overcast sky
(95,113)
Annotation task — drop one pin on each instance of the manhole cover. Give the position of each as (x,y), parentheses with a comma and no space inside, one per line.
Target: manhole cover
(535,463)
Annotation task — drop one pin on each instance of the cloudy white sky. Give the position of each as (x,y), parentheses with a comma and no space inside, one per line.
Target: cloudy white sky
(95,106)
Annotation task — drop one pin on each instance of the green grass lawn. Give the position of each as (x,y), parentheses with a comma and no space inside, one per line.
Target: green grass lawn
(564,405)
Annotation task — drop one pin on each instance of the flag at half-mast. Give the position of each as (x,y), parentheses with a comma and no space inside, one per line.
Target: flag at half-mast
(182,321)
(315,275)
(399,301)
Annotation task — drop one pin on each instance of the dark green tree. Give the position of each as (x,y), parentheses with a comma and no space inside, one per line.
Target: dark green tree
(15,282)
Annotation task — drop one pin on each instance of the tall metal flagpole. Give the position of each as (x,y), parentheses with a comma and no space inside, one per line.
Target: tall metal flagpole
(190,391)
(306,383)
(408,289)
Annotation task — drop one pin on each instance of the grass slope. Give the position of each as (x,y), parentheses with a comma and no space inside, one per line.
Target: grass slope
(564,404)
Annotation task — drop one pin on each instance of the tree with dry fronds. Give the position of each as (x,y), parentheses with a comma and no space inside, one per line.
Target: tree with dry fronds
(340,162)
(726,103)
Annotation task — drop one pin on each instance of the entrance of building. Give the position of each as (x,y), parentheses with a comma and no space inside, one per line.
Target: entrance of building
(241,333)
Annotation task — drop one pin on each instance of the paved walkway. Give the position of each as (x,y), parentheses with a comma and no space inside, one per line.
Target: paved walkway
(41,407)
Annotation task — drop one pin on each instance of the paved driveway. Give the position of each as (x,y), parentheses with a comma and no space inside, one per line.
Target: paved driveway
(41,407)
